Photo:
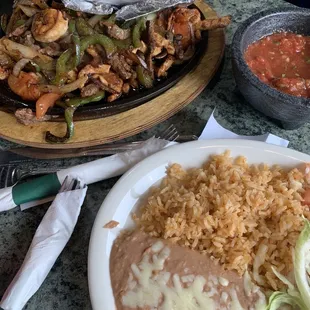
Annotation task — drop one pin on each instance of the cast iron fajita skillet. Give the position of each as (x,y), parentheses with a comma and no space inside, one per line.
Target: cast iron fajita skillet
(10,102)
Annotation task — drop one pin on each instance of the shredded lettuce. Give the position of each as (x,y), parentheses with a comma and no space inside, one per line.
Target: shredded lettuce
(297,297)
(300,268)
(277,299)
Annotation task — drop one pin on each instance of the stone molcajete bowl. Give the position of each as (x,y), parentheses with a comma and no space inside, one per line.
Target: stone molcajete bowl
(291,111)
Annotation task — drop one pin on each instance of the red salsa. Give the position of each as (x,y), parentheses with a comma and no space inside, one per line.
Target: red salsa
(282,60)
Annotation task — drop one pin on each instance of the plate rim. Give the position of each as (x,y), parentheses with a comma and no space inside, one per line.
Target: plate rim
(157,158)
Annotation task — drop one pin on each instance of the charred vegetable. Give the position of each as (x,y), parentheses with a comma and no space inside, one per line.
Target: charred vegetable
(70,107)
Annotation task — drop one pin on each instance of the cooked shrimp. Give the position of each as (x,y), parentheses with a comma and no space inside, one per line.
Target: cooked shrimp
(188,23)
(49,25)
(181,22)
(26,85)
(214,23)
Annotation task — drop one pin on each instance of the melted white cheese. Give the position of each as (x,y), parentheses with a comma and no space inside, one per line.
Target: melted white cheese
(250,288)
(223,281)
(150,286)
(235,303)
(152,290)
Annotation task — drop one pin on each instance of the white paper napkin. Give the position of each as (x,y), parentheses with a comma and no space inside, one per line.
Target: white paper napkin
(50,239)
(213,130)
(111,166)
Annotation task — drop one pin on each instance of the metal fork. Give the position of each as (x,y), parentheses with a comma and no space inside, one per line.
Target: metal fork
(12,174)
(169,134)
(70,185)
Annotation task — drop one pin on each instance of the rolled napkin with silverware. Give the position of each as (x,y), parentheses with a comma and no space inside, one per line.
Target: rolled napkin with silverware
(37,189)
(49,240)
(91,172)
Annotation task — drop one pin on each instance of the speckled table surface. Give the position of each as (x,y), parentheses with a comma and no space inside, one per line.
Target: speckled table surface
(66,285)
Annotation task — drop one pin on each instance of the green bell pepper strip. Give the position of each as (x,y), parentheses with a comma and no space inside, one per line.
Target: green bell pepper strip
(77,45)
(19,23)
(128,24)
(110,19)
(144,78)
(122,44)
(4,22)
(71,105)
(77,102)
(101,39)
(33,65)
(71,12)
(61,66)
(83,28)
(49,137)
(139,27)
(64,64)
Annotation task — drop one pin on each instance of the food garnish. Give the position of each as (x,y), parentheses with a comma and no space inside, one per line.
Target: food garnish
(299,295)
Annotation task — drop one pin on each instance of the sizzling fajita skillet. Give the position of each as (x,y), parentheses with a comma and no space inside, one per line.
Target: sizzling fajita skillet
(11,102)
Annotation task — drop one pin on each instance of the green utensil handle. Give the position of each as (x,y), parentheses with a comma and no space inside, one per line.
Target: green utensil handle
(35,189)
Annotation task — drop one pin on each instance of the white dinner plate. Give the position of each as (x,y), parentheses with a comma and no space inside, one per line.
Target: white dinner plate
(123,197)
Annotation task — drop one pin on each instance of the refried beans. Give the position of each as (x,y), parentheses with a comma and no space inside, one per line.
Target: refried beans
(282,60)
(149,273)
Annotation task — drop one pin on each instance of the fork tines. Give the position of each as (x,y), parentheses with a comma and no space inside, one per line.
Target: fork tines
(70,184)
(170,134)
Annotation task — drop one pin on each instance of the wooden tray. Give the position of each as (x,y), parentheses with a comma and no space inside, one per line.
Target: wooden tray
(129,123)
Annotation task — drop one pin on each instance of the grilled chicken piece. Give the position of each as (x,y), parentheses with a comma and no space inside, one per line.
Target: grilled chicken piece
(111,82)
(208,24)
(166,65)
(115,31)
(133,82)
(158,42)
(97,60)
(142,48)
(91,70)
(113,97)
(126,88)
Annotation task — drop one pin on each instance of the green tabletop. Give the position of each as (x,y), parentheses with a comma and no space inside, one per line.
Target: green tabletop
(66,286)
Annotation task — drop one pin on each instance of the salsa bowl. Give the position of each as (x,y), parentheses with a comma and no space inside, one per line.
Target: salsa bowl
(291,111)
